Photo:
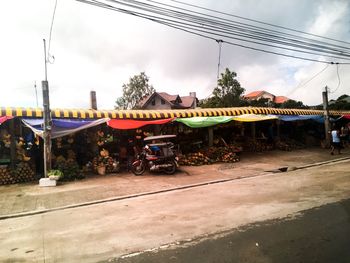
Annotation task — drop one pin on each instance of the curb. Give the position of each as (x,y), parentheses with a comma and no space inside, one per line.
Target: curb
(323,163)
(119,198)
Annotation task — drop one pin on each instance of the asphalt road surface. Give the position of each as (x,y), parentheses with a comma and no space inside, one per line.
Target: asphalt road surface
(317,235)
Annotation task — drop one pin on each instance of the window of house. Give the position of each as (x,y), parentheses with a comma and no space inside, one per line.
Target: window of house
(153,102)
(163,101)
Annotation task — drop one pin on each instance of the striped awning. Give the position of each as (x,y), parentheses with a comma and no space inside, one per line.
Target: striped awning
(157,114)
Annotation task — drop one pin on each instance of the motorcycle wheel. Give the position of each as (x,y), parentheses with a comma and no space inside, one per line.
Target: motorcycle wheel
(171,169)
(138,169)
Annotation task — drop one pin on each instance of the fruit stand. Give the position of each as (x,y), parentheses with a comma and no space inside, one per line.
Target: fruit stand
(23,169)
(226,154)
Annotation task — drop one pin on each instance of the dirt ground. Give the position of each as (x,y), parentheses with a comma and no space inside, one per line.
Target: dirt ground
(28,198)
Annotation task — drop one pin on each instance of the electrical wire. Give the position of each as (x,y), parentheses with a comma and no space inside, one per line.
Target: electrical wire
(49,56)
(218,34)
(202,26)
(338,81)
(252,48)
(127,1)
(158,12)
(257,21)
(227,42)
(245,25)
(303,84)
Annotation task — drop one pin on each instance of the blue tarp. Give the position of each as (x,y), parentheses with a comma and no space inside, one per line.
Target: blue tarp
(317,118)
(62,127)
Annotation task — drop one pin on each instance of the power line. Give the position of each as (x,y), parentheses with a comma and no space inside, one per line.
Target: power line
(246,26)
(193,26)
(206,21)
(49,45)
(300,86)
(253,48)
(338,80)
(257,21)
(218,34)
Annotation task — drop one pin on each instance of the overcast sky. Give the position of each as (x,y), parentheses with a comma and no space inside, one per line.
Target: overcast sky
(97,49)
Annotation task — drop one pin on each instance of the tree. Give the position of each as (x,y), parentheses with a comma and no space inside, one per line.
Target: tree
(342,103)
(134,91)
(262,102)
(227,93)
(342,97)
(291,104)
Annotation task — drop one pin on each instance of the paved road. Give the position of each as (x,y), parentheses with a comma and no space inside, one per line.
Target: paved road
(316,235)
(110,230)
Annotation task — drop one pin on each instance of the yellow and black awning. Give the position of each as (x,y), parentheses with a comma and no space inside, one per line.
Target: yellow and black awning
(157,114)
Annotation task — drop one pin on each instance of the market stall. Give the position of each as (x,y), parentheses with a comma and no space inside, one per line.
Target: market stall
(16,162)
(86,143)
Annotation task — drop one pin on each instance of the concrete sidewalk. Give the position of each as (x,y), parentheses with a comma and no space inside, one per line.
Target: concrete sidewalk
(23,199)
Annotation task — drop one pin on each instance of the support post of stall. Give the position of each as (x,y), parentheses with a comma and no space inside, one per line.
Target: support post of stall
(12,144)
(253,128)
(210,136)
(326,117)
(278,124)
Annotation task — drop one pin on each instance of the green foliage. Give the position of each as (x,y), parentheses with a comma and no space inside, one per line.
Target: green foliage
(134,91)
(342,103)
(58,173)
(70,169)
(262,102)
(291,104)
(226,94)
(342,97)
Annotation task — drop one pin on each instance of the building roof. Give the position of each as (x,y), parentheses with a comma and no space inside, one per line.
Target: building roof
(169,98)
(187,101)
(258,93)
(280,99)
(175,101)
(254,94)
(144,100)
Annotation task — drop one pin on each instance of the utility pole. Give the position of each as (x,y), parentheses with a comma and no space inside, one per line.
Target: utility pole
(47,120)
(93,101)
(326,116)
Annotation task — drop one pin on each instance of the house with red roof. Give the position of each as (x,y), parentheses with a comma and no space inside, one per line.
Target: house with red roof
(262,94)
(163,100)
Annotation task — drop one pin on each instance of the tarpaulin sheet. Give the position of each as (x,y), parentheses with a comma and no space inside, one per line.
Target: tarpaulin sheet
(134,124)
(4,118)
(200,122)
(318,118)
(254,117)
(62,127)
(331,119)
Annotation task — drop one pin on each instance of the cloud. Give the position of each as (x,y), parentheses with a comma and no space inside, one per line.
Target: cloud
(98,49)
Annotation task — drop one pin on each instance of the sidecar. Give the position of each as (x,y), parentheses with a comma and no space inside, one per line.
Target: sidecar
(160,145)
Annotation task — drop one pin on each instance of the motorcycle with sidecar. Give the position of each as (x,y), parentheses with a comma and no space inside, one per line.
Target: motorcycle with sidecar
(158,155)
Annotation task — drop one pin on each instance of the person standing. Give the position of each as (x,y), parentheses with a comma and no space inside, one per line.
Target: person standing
(335,140)
(138,142)
(131,153)
(344,136)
